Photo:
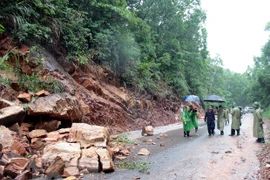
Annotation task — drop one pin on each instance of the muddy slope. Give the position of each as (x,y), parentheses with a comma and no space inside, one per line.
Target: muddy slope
(103,101)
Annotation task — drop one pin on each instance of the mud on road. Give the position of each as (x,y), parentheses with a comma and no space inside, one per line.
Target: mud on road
(195,157)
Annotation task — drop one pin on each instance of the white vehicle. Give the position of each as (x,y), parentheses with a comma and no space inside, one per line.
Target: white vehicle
(248,110)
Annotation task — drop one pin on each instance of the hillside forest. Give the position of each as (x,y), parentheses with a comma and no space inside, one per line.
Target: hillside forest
(154,48)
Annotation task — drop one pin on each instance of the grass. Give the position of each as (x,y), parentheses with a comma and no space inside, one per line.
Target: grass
(123,138)
(140,166)
(266,113)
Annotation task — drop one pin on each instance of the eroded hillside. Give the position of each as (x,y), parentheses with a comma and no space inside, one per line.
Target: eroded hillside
(101,99)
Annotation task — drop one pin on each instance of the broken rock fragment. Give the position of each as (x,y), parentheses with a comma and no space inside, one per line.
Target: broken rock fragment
(56,168)
(37,133)
(148,130)
(89,160)
(16,166)
(105,159)
(144,152)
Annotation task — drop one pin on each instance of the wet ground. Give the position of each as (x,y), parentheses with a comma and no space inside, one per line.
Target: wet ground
(195,157)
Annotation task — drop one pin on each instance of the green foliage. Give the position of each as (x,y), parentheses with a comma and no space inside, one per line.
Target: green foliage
(266,113)
(25,106)
(5,81)
(140,166)
(123,138)
(2,29)
(154,46)
(35,55)
(34,84)
(3,66)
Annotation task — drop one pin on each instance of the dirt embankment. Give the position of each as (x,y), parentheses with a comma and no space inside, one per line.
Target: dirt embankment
(102,99)
(264,155)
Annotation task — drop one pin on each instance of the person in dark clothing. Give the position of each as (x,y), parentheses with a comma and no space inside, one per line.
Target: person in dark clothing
(209,118)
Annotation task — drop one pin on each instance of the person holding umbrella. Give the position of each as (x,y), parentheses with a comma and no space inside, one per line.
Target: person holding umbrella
(193,118)
(186,122)
(221,120)
(209,118)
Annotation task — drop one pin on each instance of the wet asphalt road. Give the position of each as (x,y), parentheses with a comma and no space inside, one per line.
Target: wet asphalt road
(195,157)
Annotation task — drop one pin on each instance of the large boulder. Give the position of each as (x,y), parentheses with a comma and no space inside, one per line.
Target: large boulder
(89,160)
(11,115)
(61,106)
(89,135)
(68,152)
(105,159)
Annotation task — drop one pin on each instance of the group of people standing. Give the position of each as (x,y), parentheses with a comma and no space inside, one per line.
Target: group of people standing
(222,119)
(189,119)
(190,122)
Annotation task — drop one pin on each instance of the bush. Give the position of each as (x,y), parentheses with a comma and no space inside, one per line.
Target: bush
(266,113)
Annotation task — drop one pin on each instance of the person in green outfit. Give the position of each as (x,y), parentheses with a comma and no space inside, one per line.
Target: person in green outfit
(193,117)
(186,122)
(227,112)
(221,120)
(236,121)
(258,131)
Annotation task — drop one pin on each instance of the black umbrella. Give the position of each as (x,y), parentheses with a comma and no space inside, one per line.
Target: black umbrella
(213,98)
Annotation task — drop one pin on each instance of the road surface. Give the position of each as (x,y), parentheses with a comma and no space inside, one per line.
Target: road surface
(196,157)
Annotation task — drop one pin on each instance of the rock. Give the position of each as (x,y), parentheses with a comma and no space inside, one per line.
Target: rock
(15,167)
(162,144)
(24,175)
(8,94)
(144,152)
(88,135)
(53,136)
(11,115)
(6,138)
(2,170)
(5,103)
(84,171)
(119,157)
(25,97)
(56,168)
(89,160)
(38,162)
(64,130)
(68,152)
(37,144)
(163,135)
(49,126)
(4,160)
(25,128)
(148,130)
(42,93)
(125,152)
(71,178)
(37,133)
(16,128)
(17,148)
(71,171)
(105,159)
(60,106)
